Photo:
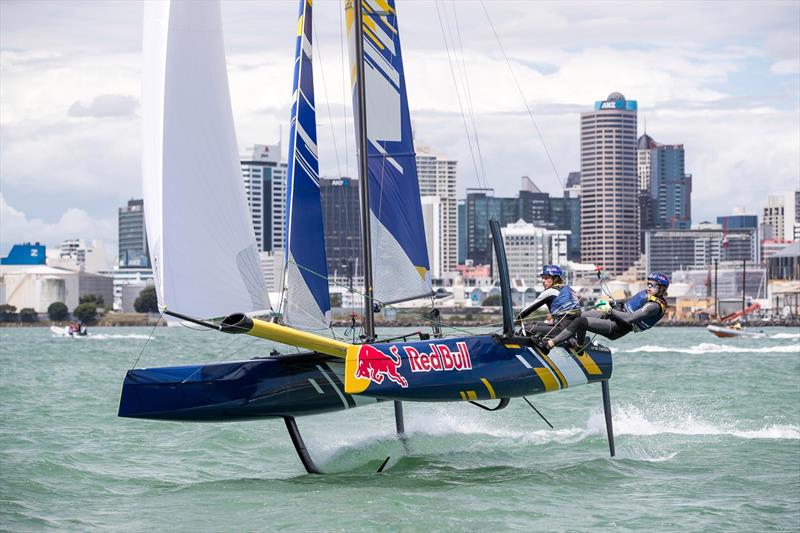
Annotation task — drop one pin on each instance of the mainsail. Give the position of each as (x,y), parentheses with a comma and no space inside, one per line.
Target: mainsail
(399,252)
(307,300)
(201,238)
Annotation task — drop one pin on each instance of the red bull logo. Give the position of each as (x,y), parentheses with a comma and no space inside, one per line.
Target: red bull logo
(439,358)
(374,365)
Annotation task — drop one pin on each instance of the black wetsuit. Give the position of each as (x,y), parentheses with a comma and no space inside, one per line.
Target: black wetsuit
(617,325)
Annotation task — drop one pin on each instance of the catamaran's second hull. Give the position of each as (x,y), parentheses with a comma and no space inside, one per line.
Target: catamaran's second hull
(469,368)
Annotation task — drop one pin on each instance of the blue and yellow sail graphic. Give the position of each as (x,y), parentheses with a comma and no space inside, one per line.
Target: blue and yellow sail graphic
(307,302)
(399,249)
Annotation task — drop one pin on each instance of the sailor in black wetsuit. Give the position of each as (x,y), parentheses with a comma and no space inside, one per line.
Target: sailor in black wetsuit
(560,299)
(640,312)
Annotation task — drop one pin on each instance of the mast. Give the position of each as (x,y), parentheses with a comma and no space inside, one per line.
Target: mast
(363,173)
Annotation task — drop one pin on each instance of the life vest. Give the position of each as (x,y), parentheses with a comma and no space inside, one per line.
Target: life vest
(637,301)
(566,301)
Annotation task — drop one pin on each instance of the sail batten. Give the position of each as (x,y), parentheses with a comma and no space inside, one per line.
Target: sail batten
(307,301)
(399,252)
(200,235)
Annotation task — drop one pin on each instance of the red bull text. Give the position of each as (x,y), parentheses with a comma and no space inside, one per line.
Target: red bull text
(439,358)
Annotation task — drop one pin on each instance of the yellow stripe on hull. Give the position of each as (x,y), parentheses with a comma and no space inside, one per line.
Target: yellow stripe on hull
(549,380)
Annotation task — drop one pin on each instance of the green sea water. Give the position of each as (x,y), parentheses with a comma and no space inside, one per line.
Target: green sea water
(707,436)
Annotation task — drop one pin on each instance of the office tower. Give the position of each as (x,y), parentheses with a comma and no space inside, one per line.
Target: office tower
(481,205)
(341,221)
(781,217)
(437,177)
(533,203)
(572,189)
(265,187)
(132,235)
(609,185)
(529,248)
(462,231)
(431,216)
(665,189)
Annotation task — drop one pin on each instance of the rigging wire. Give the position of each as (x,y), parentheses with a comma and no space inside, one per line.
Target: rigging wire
(344,91)
(160,316)
(458,97)
(522,95)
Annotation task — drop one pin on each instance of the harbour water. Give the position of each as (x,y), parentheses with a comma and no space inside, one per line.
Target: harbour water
(707,435)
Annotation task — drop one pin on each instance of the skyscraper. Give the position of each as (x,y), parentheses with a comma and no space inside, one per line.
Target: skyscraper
(342,222)
(609,185)
(481,205)
(437,177)
(132,234)
(265,186)
(665,188)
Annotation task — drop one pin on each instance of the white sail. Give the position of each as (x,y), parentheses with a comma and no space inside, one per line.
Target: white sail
(201,238)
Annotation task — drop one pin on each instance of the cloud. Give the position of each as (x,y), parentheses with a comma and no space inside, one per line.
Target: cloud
(73,223)
(105,105)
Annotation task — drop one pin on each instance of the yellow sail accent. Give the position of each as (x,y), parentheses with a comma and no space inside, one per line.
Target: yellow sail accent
(300,26)
(296,337)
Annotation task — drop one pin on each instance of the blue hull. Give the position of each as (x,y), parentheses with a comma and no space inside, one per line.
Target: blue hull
(313,383)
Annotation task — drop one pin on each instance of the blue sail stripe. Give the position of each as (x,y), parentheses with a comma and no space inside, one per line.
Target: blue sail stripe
(304,241)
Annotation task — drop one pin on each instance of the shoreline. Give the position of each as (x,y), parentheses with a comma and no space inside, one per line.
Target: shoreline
(488,321)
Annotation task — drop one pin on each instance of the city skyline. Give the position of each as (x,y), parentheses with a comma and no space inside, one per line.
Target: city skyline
(70,157)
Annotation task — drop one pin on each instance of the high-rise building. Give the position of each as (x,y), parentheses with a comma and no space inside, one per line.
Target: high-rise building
(132,234)
(534,204)
(572,189)
(566,215)
(609,185)
(665,189)
(265,187)
(529,248)
(431,216)
(437,177)
(341,220)
(462,231)
(781,218)
(481,206)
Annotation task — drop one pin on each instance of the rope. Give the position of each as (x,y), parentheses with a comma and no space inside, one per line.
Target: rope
(160,316)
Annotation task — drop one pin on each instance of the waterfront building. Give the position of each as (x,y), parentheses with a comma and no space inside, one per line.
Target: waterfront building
(273,268)
(609,184)
(665,188)
(36,286)
(121,278)
(264,177)
(437,177)
(671,250)
(132,236)
(341,221)
(785,264)
(738,221)
(529,248)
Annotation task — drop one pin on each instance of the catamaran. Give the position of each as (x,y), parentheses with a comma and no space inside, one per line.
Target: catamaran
(196,206)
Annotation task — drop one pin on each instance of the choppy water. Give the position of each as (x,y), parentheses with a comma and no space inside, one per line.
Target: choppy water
(708,439)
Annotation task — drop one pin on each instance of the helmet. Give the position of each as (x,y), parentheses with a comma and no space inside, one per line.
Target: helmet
(659,278)
(551,270)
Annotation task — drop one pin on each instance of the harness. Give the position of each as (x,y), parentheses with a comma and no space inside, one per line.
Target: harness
(639,300)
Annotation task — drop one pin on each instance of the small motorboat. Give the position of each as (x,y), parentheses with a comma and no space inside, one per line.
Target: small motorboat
(69,331)
(734,331)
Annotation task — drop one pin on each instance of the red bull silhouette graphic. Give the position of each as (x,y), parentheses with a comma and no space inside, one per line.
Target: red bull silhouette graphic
(374,365)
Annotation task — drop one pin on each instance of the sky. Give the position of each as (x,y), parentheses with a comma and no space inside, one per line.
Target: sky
(721,78)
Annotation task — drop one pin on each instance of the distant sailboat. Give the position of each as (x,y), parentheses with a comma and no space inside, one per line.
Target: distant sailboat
(194,144)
